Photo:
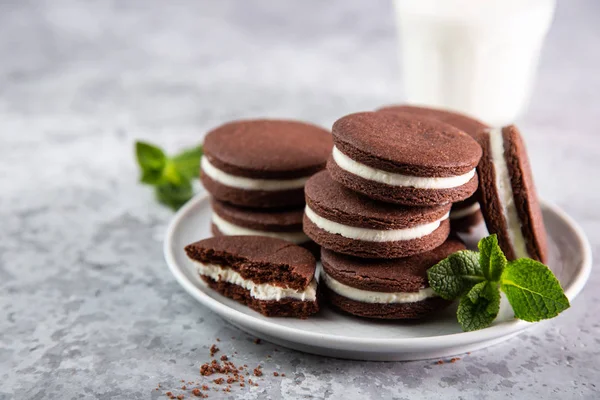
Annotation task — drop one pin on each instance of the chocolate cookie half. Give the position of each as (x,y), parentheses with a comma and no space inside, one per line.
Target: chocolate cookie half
(286,224)
(271,276)
(465,214)
(263,163)
(509,201)
(345,221)
(404,159)
(388,289)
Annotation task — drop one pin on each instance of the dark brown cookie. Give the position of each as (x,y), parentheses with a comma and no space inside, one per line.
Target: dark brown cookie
(461,220)
(263,163)
(375,288)
(509,201)
(286,224)
(465,215)
(460,121)
(404,159)
(265,273)
(342,220)
(271,308)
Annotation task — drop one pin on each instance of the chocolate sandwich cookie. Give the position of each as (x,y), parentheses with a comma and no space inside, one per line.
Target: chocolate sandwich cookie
(509,201)
(286,224)
(387,289)
(345,221)
(404,159)
(466,214)
(271,276)
(263,163)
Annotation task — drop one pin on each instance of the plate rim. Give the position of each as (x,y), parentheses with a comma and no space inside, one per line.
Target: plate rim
(304,336)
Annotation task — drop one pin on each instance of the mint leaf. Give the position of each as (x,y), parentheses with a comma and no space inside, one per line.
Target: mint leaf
(188,162)
(479,308)
(174,195)
(456,274)
(152,160)
(491,258)
(533,291)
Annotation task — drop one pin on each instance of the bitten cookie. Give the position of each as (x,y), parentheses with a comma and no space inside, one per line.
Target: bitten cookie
(263,163)
(403,159)
(388,289)
(271,276)
(286,224)
(465,214)
(345,221)
(509,201)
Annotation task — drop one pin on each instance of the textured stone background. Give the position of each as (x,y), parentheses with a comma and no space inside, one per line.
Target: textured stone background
(88,307)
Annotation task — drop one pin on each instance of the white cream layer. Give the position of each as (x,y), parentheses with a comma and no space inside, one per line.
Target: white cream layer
(229,229)
(505,194)
(463,212)
(242,182)
(260,291)
(395,179)
(372,235)
(367,296)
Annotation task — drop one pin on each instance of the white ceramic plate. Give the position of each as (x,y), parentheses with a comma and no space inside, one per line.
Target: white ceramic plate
(331,333)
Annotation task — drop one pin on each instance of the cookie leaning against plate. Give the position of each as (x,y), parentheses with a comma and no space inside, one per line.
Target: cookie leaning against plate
(263,163)
(286,224)
(389,289)
(465,214)
(345,221)
(271,276)
(403,159)
(509,201)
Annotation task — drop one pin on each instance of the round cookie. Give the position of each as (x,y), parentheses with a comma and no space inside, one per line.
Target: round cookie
(509,201)
(263,163)
(345,221)
(466,124)
(286,224)
(404,159)
(387,289)
(465,214)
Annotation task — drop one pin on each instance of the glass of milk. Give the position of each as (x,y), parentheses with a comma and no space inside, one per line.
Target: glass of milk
(478,57)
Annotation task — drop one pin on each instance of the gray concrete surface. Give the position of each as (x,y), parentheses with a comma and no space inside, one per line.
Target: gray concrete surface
(88,307)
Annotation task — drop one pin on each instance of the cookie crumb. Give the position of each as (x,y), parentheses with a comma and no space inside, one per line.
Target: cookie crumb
(275,373)
(219,381)
(169,394)
(455,359)
(218,340)
(257,371)
(224,357)
(205,387)
(283,375)
(257,341)
(213,349)
(440,362)
(184,387)
(180,397)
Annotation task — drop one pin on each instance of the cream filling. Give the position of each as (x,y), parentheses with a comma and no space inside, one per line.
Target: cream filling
(260,291)
(367,296)
(229,229)
(242,182)
(372,235)
(505,194)
(395,179)
(463,212)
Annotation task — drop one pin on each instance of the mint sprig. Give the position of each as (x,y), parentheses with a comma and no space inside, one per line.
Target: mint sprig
(477,278)
(171,177)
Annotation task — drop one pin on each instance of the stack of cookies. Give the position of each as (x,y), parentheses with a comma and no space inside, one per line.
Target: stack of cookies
(381,210)
(256,170)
